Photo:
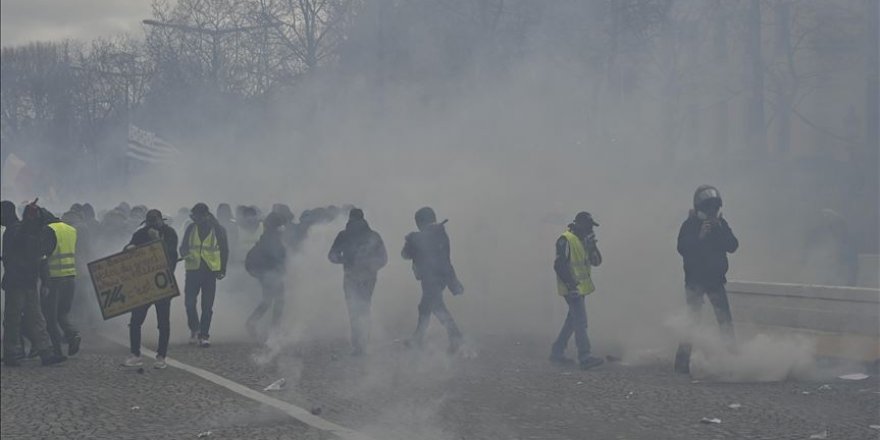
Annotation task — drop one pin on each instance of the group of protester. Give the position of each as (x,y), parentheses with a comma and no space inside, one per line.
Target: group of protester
(44,256)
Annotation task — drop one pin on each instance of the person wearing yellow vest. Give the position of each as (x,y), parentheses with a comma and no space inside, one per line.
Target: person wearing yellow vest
(61,285)
(576,254)
(205,250)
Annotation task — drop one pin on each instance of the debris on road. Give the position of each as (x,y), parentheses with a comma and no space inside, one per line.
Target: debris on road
(709,421)
(316,411)
(854,376)
(204,434)
(630,394)
(734,406)
(135,408)
(820,436)
(825,387)
(805,392)
(874,426)
(278,385)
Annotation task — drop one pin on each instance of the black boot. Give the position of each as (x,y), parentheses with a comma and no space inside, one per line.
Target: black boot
(73,345)
(683,359)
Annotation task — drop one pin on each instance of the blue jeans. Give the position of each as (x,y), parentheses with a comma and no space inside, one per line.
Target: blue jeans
(206,282)
(576,323)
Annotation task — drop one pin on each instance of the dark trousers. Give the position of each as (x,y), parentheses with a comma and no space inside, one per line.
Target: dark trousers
(203,281)
(575,323)
(22,314)
(694,297)
(163,317)
(358,297)
(56,305)
(432,304)
(273,297)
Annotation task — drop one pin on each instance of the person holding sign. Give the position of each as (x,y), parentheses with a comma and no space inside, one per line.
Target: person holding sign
(206,250)
(154,229)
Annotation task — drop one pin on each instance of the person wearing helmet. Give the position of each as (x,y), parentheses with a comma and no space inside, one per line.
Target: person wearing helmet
(267,262)
(206,251)
(429,250)
(576,255)
(154,228)
(704,241)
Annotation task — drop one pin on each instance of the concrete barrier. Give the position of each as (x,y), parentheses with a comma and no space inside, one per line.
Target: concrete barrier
(843,321)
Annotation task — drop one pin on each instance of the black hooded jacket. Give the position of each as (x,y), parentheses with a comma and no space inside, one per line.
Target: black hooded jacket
(429,250)
(705,260)
(26,244)
(359,249)
(165,233)
(268,256)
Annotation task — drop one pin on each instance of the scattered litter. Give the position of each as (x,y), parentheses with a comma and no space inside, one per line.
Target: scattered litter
(135,408)
(630,394)
(316,411)
(734,406)
(820,436)
(580,383)
(825,387)
(854,376)
(805,392)
(204,434)
(874,426)
(278,385)
(708,421)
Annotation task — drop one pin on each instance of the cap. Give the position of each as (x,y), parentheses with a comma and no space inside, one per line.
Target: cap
(585,218)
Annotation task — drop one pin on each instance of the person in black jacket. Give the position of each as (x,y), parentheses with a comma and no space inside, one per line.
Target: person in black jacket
(26,245)
(154,229)
(267,261)
(362,254)
(429,250)
(704,241)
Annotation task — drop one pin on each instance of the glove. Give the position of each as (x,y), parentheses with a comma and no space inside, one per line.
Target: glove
(220,274)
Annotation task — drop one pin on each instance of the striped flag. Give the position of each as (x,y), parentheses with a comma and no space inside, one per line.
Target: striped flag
(145,146)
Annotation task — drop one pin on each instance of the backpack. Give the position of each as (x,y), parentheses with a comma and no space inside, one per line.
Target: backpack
(255,261)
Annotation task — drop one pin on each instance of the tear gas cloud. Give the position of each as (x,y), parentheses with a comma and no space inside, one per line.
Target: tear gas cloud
(508,152)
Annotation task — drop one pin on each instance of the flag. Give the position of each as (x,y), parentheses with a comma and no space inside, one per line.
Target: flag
(145,146)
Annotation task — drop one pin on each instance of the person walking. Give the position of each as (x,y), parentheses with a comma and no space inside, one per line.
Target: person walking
(362,254)
(576,255)
(154,229)
(429,250)
(206,252)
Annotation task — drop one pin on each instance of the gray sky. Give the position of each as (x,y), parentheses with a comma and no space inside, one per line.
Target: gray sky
(22,21)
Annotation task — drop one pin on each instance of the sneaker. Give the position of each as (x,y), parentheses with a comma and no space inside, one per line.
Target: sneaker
(193,338)
(591,362)
(52,360)
(204,342)
(133,361)
(73,345)
(160,363)
(561,359)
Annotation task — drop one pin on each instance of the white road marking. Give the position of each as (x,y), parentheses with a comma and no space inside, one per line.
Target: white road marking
(291,410)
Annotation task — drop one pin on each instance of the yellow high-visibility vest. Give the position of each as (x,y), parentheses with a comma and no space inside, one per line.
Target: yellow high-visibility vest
(580,267)
(199,250)
(62,262)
